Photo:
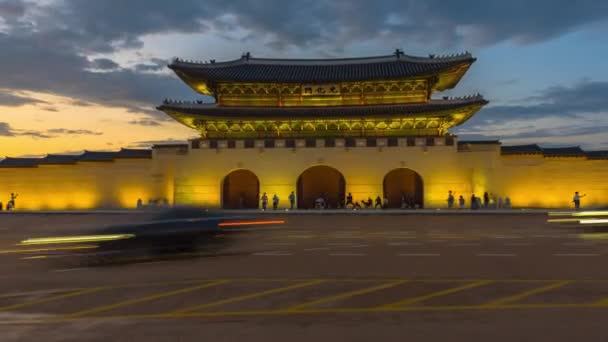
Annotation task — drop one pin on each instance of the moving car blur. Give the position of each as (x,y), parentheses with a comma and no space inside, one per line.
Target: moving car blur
(590,224)
(180,232)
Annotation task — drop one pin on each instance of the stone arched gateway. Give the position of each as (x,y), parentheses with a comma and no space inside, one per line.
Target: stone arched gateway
(240,190)
(320,181)
(403,187)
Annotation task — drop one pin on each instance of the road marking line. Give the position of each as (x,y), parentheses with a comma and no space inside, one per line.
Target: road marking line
(339,244)
(36,250)
(345,295)
(412,300)
(576,254)
(522,295)
(316,249)
(404,243)
(70,269)
(357,246)
(49,299)
(496,255)
(145,299)
(299,312)
(347,254)
(419,254)
(466,244)
(518,244)
(271,254)
(246,297)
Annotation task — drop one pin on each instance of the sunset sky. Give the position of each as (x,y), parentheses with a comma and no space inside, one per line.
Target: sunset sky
(80,74)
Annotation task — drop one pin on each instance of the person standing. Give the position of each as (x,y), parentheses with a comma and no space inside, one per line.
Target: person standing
(473,201)
(349,200)
(450,199)
(275,202)
(378,203)
(461,202)
(486,199)
(577,200)
(264,201)
(292,200)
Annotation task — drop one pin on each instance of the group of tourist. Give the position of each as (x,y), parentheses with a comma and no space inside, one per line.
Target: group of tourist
(152,203)
(10,205)
(489,201)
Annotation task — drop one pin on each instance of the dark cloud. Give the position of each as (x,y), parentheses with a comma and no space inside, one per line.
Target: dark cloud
(104,64)
(7,131)
(155,64)
(11,100)
(12,9)
(568,102)
(145,122)
(46,46)
(65,131)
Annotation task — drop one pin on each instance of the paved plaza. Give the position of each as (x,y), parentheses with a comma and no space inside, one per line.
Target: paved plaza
(464,276)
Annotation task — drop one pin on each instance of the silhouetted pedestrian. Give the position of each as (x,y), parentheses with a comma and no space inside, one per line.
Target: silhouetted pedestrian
(275,202)
(378,202)
(486,199)
(450,199)
(264,201)
(577,200)
(461,202)
(292,200)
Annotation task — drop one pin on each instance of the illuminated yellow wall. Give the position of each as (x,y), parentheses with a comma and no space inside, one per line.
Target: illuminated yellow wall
(528,181)
(84,185)
(195,177)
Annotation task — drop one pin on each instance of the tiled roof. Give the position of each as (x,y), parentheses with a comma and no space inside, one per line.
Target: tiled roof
(88,156)
(97,156)
(19,162)
(212,110)
(249,69)
(573,151)
(597,154)
(564,152)
(522,149)
(59,159)
(134,153)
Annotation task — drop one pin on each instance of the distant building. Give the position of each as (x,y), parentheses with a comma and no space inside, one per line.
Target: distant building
(325,127)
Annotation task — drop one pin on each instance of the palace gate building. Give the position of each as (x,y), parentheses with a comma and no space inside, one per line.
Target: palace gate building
(319,127)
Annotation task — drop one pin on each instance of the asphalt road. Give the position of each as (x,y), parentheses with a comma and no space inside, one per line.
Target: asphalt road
(339,277)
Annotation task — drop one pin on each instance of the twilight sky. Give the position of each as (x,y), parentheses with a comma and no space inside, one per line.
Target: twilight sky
(81,74)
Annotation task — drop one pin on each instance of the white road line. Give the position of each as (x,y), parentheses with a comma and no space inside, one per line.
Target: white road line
(357,246)
(70,269)
(576,255)
(466,244)
(404,243)
(518,244)
(507,237)
(419,254)
(339,244)
(347,254)
(496,255)
(316,249)
(271,254)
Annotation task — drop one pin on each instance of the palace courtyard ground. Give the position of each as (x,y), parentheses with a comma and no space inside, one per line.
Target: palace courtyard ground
(500,276)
